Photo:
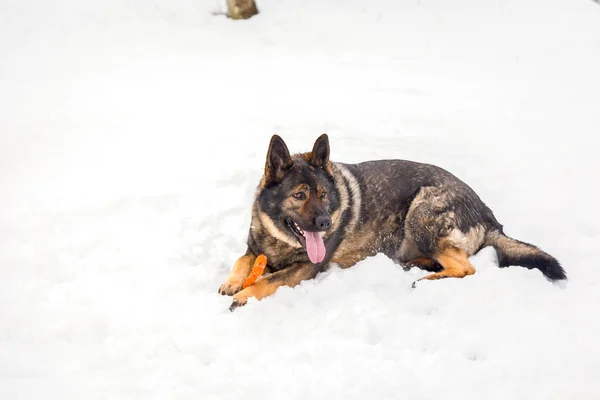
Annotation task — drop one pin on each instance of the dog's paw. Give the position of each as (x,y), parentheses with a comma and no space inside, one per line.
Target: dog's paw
(237,303)
(231,286)
(241,298)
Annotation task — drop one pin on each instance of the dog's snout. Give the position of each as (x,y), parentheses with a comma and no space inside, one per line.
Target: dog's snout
(323,222)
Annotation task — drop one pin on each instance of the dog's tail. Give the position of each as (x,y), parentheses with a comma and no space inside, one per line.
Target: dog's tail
(515,252)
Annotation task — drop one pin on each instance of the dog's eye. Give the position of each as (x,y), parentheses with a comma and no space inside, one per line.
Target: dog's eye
(299,196)
(324,195)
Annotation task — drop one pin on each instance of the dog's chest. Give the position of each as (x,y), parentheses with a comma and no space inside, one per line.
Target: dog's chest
(280,255)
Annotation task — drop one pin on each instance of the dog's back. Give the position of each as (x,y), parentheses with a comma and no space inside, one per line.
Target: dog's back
(418,210)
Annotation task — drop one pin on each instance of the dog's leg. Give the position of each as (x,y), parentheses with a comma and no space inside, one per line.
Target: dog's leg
(426,263)
(455,263)
(240,271)
(267,285)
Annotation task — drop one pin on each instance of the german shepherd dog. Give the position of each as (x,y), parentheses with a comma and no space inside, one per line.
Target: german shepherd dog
(310,212)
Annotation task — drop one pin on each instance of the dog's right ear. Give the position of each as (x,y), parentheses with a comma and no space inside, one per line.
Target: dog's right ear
(278,160)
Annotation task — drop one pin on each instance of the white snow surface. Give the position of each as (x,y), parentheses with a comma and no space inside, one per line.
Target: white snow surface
(133,135)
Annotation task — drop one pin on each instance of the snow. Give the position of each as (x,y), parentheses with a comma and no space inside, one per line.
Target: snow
(132,137)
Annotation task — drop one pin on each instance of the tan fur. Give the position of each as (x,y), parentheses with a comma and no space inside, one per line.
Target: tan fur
(266,286)
(305,156)
(355,247)
(265,222)
(241,9)
(434,197)
(470,241)
(302,188)
(241,269)
(357,244)
(354,193)
(261,289)
(510,245)
(308,156)
(455,263)
(344,198)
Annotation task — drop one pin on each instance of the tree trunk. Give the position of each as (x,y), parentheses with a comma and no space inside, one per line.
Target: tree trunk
(241,9)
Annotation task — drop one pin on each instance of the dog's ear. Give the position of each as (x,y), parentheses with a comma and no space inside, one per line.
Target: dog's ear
(320,152)
(278,160)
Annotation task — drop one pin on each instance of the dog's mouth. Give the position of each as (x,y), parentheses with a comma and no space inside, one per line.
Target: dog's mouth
(311,241)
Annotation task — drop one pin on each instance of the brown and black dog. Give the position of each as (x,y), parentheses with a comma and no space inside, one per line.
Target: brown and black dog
(310,212)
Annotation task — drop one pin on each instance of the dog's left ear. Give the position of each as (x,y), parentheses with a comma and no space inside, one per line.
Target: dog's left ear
(320,152)
(278,160)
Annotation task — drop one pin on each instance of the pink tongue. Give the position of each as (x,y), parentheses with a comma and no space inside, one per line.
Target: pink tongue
(314,246)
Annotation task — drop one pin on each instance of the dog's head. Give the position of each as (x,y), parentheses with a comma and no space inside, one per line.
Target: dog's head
(298,194)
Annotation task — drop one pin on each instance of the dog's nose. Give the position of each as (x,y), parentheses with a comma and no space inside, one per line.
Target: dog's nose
(323,222)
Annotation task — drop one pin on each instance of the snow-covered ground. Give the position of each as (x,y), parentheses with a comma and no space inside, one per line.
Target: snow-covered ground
(133,134)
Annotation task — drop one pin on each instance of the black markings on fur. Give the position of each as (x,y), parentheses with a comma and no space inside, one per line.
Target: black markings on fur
(436,267)
(528,256)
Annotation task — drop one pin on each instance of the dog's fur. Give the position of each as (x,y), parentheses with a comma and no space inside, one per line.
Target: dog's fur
(416,214)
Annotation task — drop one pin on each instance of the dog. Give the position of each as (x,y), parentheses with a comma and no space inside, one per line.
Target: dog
(310,212)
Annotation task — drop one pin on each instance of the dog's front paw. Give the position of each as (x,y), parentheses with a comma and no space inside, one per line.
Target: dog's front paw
(237,303)
(231,286)
(241,298)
